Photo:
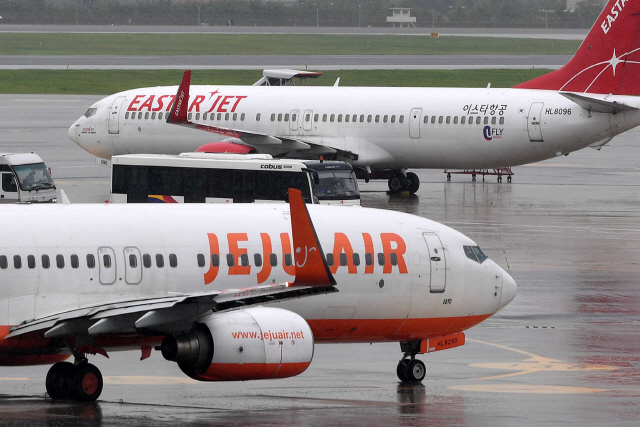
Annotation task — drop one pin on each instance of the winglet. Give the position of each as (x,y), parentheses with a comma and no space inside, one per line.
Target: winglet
(180,106)
(310,262)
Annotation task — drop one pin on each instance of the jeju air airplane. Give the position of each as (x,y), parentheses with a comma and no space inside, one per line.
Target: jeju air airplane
(230,298)
(387,130)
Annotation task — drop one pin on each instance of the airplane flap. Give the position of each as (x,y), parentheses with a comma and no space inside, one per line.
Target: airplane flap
(597,105)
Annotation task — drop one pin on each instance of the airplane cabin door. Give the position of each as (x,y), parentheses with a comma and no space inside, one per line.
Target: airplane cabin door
(533,125)
(414,122)
(132,265)
(114,115)
(293,121)
(308,120)
(107,263)
(438,262)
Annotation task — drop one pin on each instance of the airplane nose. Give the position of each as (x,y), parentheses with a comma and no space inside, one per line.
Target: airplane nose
(72,133)
(509,289)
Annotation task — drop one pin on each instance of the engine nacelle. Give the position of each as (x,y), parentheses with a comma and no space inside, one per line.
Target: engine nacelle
(252,344)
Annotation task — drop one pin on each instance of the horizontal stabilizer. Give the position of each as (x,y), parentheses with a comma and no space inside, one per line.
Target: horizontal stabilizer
(597,105)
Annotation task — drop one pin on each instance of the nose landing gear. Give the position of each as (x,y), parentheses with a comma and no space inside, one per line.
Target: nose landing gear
(409,368)
(403,181)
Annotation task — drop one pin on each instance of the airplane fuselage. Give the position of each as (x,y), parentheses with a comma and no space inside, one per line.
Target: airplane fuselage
(383,128)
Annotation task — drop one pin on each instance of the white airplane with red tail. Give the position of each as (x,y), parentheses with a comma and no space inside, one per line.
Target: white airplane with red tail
(388,130)
(229,297)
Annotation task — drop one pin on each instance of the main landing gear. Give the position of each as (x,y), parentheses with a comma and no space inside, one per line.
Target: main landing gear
(410,369)
(403,181)
(80,381)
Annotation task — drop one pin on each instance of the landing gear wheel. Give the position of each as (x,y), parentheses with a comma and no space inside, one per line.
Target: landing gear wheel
(414,182)
(416,371)
(473,177)
(85,382)
(401,370)
(448,177)
(395,184)
(509,178)
(499,178)
(54,382)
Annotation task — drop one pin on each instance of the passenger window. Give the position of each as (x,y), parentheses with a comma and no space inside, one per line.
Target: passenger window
(257,260)
(146,115)
(433,119)
(385,119)
(91,261)
(200,258)
(215,260)
(244,260)
(17,262)
(286,117)
(75,263)
(106,261)
(455,120)
(377,118)
(332,118)
(339,118)
(45,261)
(448,119)
(197,116)
(501,120)
(226,116)
(369,118)
(324,117)
(258,117)
(478,119)
(159,261)
(287,260)
(60,261)
(393,119)
(273,117)
(204,116)
(280,117)
(343,259)
(189,116)
(126,115)
(3,262)
(368,259)
(394,259)
(273,260)
(140,115)
(160,116)
(346,118)
(354,118)
(133,261)
(294,117)
(220,116)
(230,260)
(462,120)
(307,117)
(315,117)
(356,259)
(361,118)
(401,119)
(153,116)
(235,116)
(440,119)
(173,260)
(493,120)
(426,119)
(31,261)
(146,260)
(380,258)
(329,260)
(486,120)
(470,120)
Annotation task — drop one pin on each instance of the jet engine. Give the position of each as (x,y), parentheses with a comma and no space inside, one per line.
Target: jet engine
(251,344)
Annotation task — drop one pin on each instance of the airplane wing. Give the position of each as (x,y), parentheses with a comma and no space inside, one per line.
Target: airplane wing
(175,313)
(281,144)
(281,77)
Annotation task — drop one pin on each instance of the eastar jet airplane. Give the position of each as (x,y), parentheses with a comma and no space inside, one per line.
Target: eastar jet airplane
(188,280)
(585,103)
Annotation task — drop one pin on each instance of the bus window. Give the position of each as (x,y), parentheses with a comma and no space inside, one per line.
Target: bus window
(165,181)
(219,183)
(243,186)
(271,185)
(336,184)
(193,185)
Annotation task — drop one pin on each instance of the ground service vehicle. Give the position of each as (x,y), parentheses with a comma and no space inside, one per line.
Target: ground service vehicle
(25,178)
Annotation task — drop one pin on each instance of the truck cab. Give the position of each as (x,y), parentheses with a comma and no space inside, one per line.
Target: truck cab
(25,178)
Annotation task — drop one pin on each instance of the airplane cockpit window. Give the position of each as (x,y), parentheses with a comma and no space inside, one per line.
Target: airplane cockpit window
(33,177)
(90,112)
(475,253)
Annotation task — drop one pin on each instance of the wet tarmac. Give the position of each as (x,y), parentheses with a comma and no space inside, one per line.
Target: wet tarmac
(565,351)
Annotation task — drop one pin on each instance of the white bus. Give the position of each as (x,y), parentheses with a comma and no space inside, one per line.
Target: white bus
(25,178)
(228,178)
(206,178)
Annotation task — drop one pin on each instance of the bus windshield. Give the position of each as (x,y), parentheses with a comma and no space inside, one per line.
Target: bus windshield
(337,184)
(33,177)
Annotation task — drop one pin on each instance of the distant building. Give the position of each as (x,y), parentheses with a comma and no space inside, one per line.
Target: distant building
(401,16)
(573,4)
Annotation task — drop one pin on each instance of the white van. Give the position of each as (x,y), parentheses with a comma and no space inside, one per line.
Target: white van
(25,178)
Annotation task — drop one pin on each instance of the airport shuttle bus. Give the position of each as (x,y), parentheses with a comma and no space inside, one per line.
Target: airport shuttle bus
(228,178)
(25,178)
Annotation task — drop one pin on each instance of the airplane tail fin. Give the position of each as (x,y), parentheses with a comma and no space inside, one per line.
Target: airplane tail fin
(608,60)
(180,106)
(309,259)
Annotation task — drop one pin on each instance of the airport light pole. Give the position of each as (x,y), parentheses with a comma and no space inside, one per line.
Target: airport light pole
(546,18)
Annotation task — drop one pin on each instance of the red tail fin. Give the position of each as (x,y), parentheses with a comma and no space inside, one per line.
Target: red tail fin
(311,265)
(608,61)
(181,103)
